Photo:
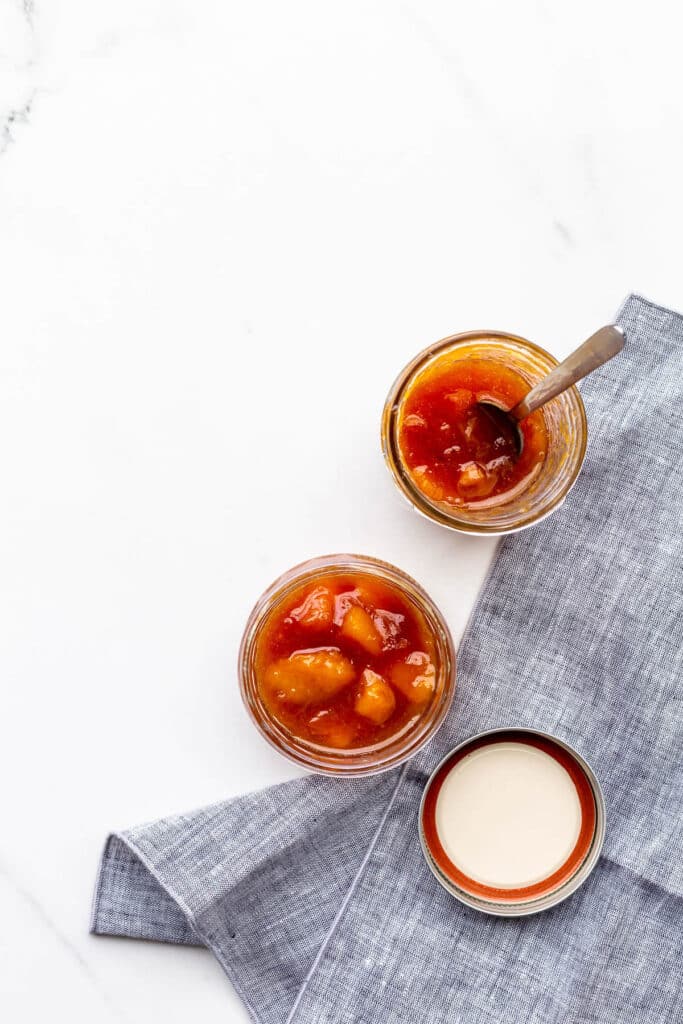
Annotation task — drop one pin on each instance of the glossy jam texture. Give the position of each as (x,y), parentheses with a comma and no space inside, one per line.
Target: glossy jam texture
(452,449)
(346,662)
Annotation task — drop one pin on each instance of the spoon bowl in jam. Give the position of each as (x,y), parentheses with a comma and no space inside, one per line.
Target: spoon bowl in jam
(503,424)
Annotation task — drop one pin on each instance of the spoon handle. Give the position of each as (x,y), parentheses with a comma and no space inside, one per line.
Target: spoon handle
(601,346)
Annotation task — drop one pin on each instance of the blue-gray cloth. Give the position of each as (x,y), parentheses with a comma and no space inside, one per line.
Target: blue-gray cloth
(314,894)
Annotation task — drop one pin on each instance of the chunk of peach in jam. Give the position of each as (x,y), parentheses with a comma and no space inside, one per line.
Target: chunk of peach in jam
(306,676)
(375,699)
(331,729)
(414,677)
(346,661)
(453,451)
(316,610)
(358,625)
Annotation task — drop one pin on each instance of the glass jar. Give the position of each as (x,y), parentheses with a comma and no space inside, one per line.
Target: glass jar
(565,422)
(355,760)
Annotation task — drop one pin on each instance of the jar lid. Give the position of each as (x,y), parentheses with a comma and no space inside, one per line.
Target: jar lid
(512,821)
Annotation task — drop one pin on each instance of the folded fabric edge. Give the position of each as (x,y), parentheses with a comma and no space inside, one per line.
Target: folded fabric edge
(638,299)
(124,870)
(125,877)
(132,899)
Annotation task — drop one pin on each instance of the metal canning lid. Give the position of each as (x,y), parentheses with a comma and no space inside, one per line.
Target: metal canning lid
(552,888)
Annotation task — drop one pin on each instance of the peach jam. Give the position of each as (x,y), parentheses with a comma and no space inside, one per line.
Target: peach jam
(452,449)
(346,662)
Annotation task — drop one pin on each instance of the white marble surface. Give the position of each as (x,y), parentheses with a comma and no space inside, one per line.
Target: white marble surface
(224,227)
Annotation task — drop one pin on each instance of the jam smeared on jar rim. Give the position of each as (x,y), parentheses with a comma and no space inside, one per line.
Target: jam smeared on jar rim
(346,662)
(454,450)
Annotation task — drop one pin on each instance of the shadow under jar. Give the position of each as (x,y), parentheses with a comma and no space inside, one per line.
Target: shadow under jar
(429,435)
(346,665)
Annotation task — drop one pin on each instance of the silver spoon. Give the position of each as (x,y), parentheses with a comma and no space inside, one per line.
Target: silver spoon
(601,346)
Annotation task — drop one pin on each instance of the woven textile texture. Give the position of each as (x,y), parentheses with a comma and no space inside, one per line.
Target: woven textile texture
(314,895)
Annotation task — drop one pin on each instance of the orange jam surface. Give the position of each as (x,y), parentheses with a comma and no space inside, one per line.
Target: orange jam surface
(452,449)
(346,662)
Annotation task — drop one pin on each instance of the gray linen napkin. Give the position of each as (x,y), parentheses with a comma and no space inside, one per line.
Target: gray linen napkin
(314,895)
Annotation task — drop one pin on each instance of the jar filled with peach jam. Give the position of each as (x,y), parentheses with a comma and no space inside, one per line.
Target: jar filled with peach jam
(448,457)
(346,665)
